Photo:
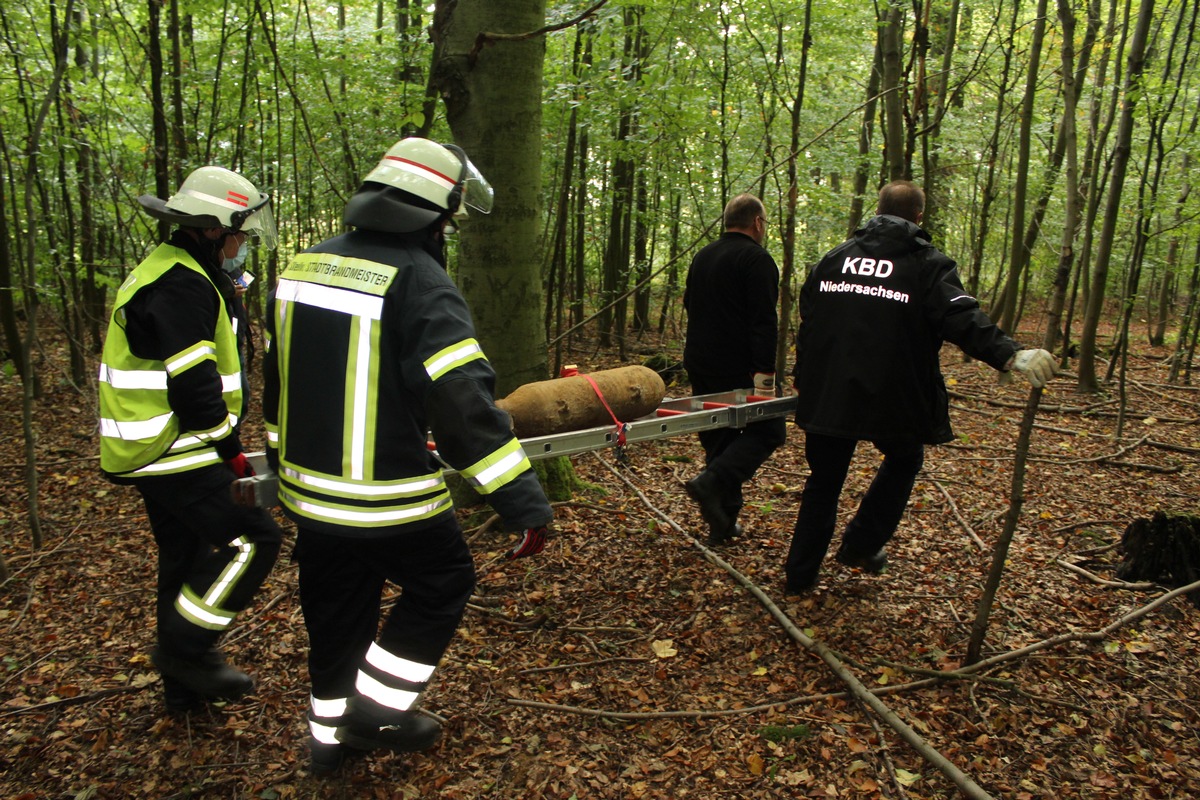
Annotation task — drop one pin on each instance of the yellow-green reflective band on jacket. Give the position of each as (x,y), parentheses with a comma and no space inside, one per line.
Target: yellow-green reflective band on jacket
(497,468)
(186,359)
(330,298)
(180,463)
(346,272)
(360,516)
(453,356)
(376,490)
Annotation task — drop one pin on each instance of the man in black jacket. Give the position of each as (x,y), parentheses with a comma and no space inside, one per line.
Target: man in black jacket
(371,349)
(873,316)
(731,294)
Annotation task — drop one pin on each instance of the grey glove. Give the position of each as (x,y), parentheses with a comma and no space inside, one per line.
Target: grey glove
(1036,365)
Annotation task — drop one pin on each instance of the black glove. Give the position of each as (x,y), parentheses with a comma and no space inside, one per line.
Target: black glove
(533,540)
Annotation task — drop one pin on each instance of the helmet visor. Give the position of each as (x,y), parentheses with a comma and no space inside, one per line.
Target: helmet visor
(260,221)
(477,192)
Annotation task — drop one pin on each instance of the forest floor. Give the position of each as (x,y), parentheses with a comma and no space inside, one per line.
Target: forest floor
(631,661)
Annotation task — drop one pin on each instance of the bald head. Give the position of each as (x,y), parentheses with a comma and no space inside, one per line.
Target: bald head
(902,199)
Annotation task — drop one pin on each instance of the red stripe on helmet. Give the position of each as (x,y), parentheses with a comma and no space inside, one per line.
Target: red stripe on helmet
(425,167)
(240,199)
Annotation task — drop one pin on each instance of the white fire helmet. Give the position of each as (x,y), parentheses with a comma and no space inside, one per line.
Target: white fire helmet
(218,197)
(439,173)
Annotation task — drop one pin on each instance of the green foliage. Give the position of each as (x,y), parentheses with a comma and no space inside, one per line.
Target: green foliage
(304,102)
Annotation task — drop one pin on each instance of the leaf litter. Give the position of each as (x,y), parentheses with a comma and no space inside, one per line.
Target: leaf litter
(624,663)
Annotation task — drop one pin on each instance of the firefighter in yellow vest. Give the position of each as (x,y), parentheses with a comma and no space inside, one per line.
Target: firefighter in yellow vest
(171,400)
(371,348)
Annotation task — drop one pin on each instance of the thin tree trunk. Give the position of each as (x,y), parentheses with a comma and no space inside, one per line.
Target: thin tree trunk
(789,234)
(1121,151)
(1019,256)
(893,103)
(865,167)
(992,157)
(1068,137)
(930,140)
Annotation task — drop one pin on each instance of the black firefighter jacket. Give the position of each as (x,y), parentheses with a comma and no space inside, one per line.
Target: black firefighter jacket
(371,347)
(873,316)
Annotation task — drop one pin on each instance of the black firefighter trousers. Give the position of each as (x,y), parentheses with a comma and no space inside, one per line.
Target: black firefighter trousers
(878,514)
(733,455)
(212,556)
(341,584)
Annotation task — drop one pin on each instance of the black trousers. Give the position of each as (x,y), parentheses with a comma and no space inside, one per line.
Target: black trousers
(733,455)
(878,513)
(341,582)
(212,556)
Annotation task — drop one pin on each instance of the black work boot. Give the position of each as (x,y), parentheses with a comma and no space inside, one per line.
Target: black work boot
(208,676)
(706,491)
(366,728)
(178,698)
(326,757)
(873,562)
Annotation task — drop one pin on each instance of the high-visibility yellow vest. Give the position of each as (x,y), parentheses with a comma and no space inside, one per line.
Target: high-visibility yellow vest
(139,433)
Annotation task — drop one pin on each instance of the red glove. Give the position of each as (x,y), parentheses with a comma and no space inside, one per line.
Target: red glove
(240,466)
(532,542)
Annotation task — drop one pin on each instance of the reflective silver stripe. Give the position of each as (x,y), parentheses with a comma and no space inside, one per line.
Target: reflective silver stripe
(362,394)
(330,298)
(191,356)
(383,516)
(322,733)
(273,437)
(134,378)
(398,699)
(328,708)
(155,379)
(208,618)
(132,431)
(401,668)
(407,487)
(234,570)
(445,360)
(486,476)
(206,437)
(177,464)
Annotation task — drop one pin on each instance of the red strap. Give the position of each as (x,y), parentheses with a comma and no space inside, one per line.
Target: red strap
(617,422)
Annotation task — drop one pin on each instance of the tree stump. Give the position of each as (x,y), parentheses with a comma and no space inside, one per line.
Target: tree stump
(1164,549)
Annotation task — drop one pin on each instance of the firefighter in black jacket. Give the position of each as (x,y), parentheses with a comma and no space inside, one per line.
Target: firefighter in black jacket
(873,316)
(731,294)
(171,400)
(371,347)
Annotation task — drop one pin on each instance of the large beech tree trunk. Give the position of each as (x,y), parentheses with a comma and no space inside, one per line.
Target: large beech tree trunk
(490,77)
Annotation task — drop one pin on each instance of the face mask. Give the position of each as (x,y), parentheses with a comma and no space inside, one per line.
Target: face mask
(234,265)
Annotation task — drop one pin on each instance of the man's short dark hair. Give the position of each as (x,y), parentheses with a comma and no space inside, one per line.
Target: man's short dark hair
(902,199)
(741,211)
